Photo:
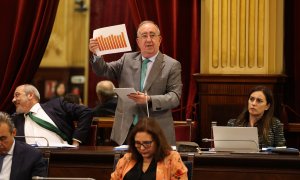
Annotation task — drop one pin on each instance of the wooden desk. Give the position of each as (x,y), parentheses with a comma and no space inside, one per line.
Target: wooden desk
(246,166)
(107,122)
(104,122)
(97,162)
(86,161)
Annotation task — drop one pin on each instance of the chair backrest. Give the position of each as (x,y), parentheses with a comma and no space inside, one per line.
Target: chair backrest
(185,131)
(117,156)
(92,136)
(189,163)
(46,160)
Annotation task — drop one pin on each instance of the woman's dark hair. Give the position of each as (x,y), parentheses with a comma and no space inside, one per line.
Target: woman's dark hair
(59,83)
(264,124)
(150,126)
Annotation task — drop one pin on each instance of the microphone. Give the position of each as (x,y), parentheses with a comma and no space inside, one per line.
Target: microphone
(147,104)
(232,140)
(37,137)
(61,178)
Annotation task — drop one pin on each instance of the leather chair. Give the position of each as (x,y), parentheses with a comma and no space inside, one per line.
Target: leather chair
(185,131)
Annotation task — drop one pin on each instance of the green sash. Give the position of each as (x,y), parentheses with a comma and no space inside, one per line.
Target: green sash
(48,126)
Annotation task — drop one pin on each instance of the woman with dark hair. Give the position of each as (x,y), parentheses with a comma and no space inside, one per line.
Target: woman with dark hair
(259,112)
(60,90)
(149,155)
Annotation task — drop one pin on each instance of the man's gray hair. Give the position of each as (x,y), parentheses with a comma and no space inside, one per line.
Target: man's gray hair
(5,119)
(147,22)
(28,88)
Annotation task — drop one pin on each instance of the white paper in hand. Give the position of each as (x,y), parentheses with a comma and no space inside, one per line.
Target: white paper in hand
(123,92)
(112,39)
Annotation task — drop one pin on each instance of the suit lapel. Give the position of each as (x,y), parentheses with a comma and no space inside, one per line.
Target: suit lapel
(157,66)
(16,160)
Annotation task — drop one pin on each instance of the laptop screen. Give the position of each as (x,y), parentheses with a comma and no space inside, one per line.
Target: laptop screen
(238,139)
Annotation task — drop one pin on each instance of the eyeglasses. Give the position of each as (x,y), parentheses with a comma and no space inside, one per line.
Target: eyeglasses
(145,144)
(145,36)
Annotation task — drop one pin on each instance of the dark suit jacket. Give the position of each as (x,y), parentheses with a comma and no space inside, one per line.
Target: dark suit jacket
(63,114)
(27,162)
(106,109)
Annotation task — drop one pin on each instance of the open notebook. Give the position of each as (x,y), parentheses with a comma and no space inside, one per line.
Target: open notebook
(236,139)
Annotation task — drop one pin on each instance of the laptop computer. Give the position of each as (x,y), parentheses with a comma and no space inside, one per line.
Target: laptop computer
(235,139)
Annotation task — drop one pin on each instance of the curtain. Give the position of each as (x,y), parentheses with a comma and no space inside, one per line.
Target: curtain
(25,29)
(179,23)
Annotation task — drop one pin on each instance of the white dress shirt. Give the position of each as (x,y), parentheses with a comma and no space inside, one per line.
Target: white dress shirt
(35,130)
(7,161)
(149,66)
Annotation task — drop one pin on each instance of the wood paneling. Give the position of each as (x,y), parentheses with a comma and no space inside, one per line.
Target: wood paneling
(222,97)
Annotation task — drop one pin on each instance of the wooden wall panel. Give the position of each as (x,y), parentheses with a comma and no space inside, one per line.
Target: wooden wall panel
(222,97)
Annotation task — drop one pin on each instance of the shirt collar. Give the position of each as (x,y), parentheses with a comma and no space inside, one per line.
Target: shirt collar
(152,59)
(35,108)
(10,152)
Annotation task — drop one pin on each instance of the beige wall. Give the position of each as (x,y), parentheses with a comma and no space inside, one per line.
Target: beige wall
(68,43)
(242,36)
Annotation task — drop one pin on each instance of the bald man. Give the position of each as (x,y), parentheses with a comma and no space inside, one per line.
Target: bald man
(107,99)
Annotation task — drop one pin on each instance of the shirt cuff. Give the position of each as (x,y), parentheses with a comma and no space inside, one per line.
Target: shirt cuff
(77,140)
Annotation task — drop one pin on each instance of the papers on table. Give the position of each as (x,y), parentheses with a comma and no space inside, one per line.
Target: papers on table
(121,148)
(112,39)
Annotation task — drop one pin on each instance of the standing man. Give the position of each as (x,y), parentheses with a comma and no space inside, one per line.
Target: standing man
(18,160)
(158,83)
(53,120)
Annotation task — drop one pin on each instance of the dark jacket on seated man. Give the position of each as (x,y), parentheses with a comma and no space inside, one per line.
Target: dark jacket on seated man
(106,109)
(107,99)
(63,115)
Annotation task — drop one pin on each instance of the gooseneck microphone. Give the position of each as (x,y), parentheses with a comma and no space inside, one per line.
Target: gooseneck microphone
(37,137)
(147,104)
(61,178)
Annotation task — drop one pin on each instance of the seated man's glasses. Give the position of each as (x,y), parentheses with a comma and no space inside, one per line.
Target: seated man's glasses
(151,35)
(145,144)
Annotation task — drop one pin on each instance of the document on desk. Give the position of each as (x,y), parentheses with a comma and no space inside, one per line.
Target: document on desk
(123,92)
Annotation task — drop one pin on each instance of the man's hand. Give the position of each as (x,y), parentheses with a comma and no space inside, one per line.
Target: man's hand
(93,46)
(139,97)
(75,143)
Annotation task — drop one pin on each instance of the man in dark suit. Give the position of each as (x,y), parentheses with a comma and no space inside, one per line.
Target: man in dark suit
(107,99)
(158,85)
(21,161)
(56,112)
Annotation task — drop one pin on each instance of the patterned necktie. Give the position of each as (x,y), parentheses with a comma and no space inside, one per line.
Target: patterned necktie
(143,73)
(2,156)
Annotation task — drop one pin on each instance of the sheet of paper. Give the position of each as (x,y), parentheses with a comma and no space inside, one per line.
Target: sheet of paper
(121,148)
(123,92)
(112,39)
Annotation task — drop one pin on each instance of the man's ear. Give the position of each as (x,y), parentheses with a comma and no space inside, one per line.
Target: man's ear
(14,132)
(30,96)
